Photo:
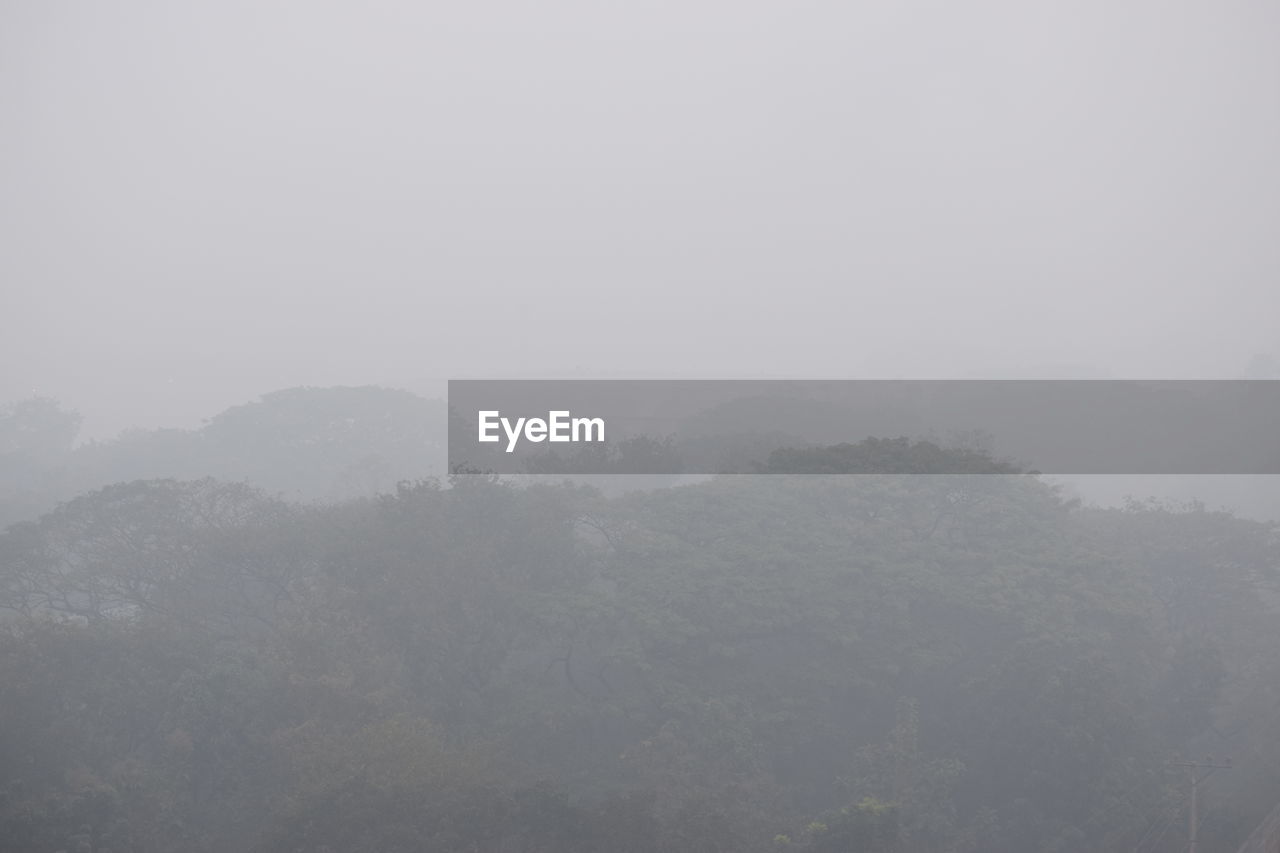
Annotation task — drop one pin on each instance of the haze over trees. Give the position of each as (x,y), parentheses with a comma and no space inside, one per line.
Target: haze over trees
(298,623)
(303,443)
(917,663)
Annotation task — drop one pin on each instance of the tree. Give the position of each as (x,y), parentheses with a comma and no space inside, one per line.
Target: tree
(37,428)
(153,549)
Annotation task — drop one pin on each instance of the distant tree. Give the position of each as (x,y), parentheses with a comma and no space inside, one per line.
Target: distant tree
(884,456)
(36,435)
(640,454)
(37,427)
(329,442)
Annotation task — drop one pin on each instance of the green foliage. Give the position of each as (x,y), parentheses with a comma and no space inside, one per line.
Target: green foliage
(919,664)
(868,826)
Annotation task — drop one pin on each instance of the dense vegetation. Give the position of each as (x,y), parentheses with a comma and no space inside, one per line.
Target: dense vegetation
(911,663)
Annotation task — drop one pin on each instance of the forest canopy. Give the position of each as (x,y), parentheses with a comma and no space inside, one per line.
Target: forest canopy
(869,662)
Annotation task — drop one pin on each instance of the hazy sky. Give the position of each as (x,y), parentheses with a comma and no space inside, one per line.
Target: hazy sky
(201,202)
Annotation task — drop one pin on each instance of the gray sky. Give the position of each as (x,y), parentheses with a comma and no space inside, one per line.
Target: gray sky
(202,202)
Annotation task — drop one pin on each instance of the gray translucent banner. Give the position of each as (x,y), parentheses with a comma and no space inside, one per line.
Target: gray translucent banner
(579,427)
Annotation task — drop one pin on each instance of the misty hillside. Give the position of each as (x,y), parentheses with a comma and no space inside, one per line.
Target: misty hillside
(339,443)
(939,505)
(305,444)
(754,663)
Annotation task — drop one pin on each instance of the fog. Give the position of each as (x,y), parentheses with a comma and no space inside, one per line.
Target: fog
(206,202)
(264,588)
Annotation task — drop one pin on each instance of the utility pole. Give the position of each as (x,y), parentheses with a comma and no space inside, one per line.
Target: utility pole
(1193,816)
